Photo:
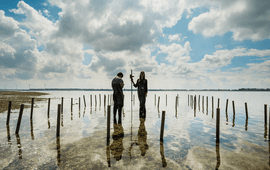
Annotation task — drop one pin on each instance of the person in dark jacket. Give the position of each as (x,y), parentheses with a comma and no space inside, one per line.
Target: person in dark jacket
(141,84)
(118,97)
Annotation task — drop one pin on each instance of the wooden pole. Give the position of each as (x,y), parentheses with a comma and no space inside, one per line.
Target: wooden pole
(233,108)
(84,101)
(176,103)
(91,100)
(8,114)
(71,104)
(155,99)
(99,99)
(246,110)
(166,99)
(162,125)
(269,126)
(203,104)
(32,105)
(187,98)
(104,101)
(108,123)
(95,100)
(158,102)
(79,103)
(218,103)
(62,104)
(48,113)
(265,114)
(58,121)
(212,103)
(207,105)
(227,105)
(217,125)
(19,120)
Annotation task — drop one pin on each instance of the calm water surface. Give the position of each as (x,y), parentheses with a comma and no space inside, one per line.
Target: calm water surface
(189,140)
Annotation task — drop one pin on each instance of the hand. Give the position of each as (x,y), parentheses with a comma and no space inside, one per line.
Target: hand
(131,76)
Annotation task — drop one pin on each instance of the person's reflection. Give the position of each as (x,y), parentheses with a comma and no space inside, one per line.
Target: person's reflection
(246,125)
(218,155)
(8,135)
(164,163)
(19,145)
(117,144)
(32,133)
(142,137)
(58,150)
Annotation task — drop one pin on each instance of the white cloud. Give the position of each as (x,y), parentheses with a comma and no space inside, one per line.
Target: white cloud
(218,46)
(46,12)
(175,37)
(247,19)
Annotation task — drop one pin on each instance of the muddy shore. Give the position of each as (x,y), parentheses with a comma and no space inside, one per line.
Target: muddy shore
(18,98)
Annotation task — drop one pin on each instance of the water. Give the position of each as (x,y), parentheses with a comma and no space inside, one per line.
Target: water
(189,140)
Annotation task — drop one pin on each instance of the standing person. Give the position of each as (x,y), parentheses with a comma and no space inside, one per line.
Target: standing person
(142,92)
(118,97)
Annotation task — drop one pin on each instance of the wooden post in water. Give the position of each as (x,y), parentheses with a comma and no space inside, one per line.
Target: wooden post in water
(162,125)
(108,123)
(84,101)
(104,102)
(246,109)
(158,102)
(49,102)
(187,99)
(8,114)
(58,121)
(212,103)
(166,99)
(176,103)
(203,104)
(265,114)
(19,120)
(95,100)
(199,102)
(217,125)
(99,99)
(218,103)
(155,99)
(227,105)
(79,103)
(62,104)
(71,104)
(269,126)
(207,105)
(91,100)
(233,107)
(32,105)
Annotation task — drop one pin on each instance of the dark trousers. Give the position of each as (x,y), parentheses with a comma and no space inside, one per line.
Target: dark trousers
(142,107)
(119,108)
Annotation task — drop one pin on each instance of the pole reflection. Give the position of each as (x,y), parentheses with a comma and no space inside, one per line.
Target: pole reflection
(58,150)
(117,144)
(265,131)
(49,124)
(8,135)
(246,125)
(227,118)
(19,145)
(163,160)
(108,155)
(233,120)
(218,155)
(32,133)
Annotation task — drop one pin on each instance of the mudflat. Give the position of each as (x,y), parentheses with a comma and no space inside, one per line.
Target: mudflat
(17,98)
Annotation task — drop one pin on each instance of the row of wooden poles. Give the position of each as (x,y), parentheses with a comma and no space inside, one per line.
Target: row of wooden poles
(59,110)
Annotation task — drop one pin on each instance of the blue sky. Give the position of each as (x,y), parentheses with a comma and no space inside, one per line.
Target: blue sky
(178,43)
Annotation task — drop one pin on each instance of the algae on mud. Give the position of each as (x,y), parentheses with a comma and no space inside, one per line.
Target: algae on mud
(18,98)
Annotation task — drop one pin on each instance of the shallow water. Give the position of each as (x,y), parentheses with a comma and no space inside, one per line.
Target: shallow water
(189,140)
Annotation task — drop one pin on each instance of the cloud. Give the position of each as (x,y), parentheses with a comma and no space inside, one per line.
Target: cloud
(246,19)
(175,37)
(218,46)
(8,25)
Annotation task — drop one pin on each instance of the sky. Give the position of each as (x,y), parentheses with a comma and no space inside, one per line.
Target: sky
(180,44)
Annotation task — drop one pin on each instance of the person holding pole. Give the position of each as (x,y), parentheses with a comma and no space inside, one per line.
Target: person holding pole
(118,97)
(141,84)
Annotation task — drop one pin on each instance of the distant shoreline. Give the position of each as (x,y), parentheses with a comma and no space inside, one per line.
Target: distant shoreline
(79,89)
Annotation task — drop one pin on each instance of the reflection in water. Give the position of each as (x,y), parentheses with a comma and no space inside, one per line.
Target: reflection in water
(265,130)
(8,135)
(79,114)
(269,151)
(233,120)
(83,111)
(49,125)
(163,160)
(32,133)
(58,150)
(19,145)
(62,117)
(71,116)
(227,118)
(142,138)
(246,125)
(117,144)
(108,155)
(218,156)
